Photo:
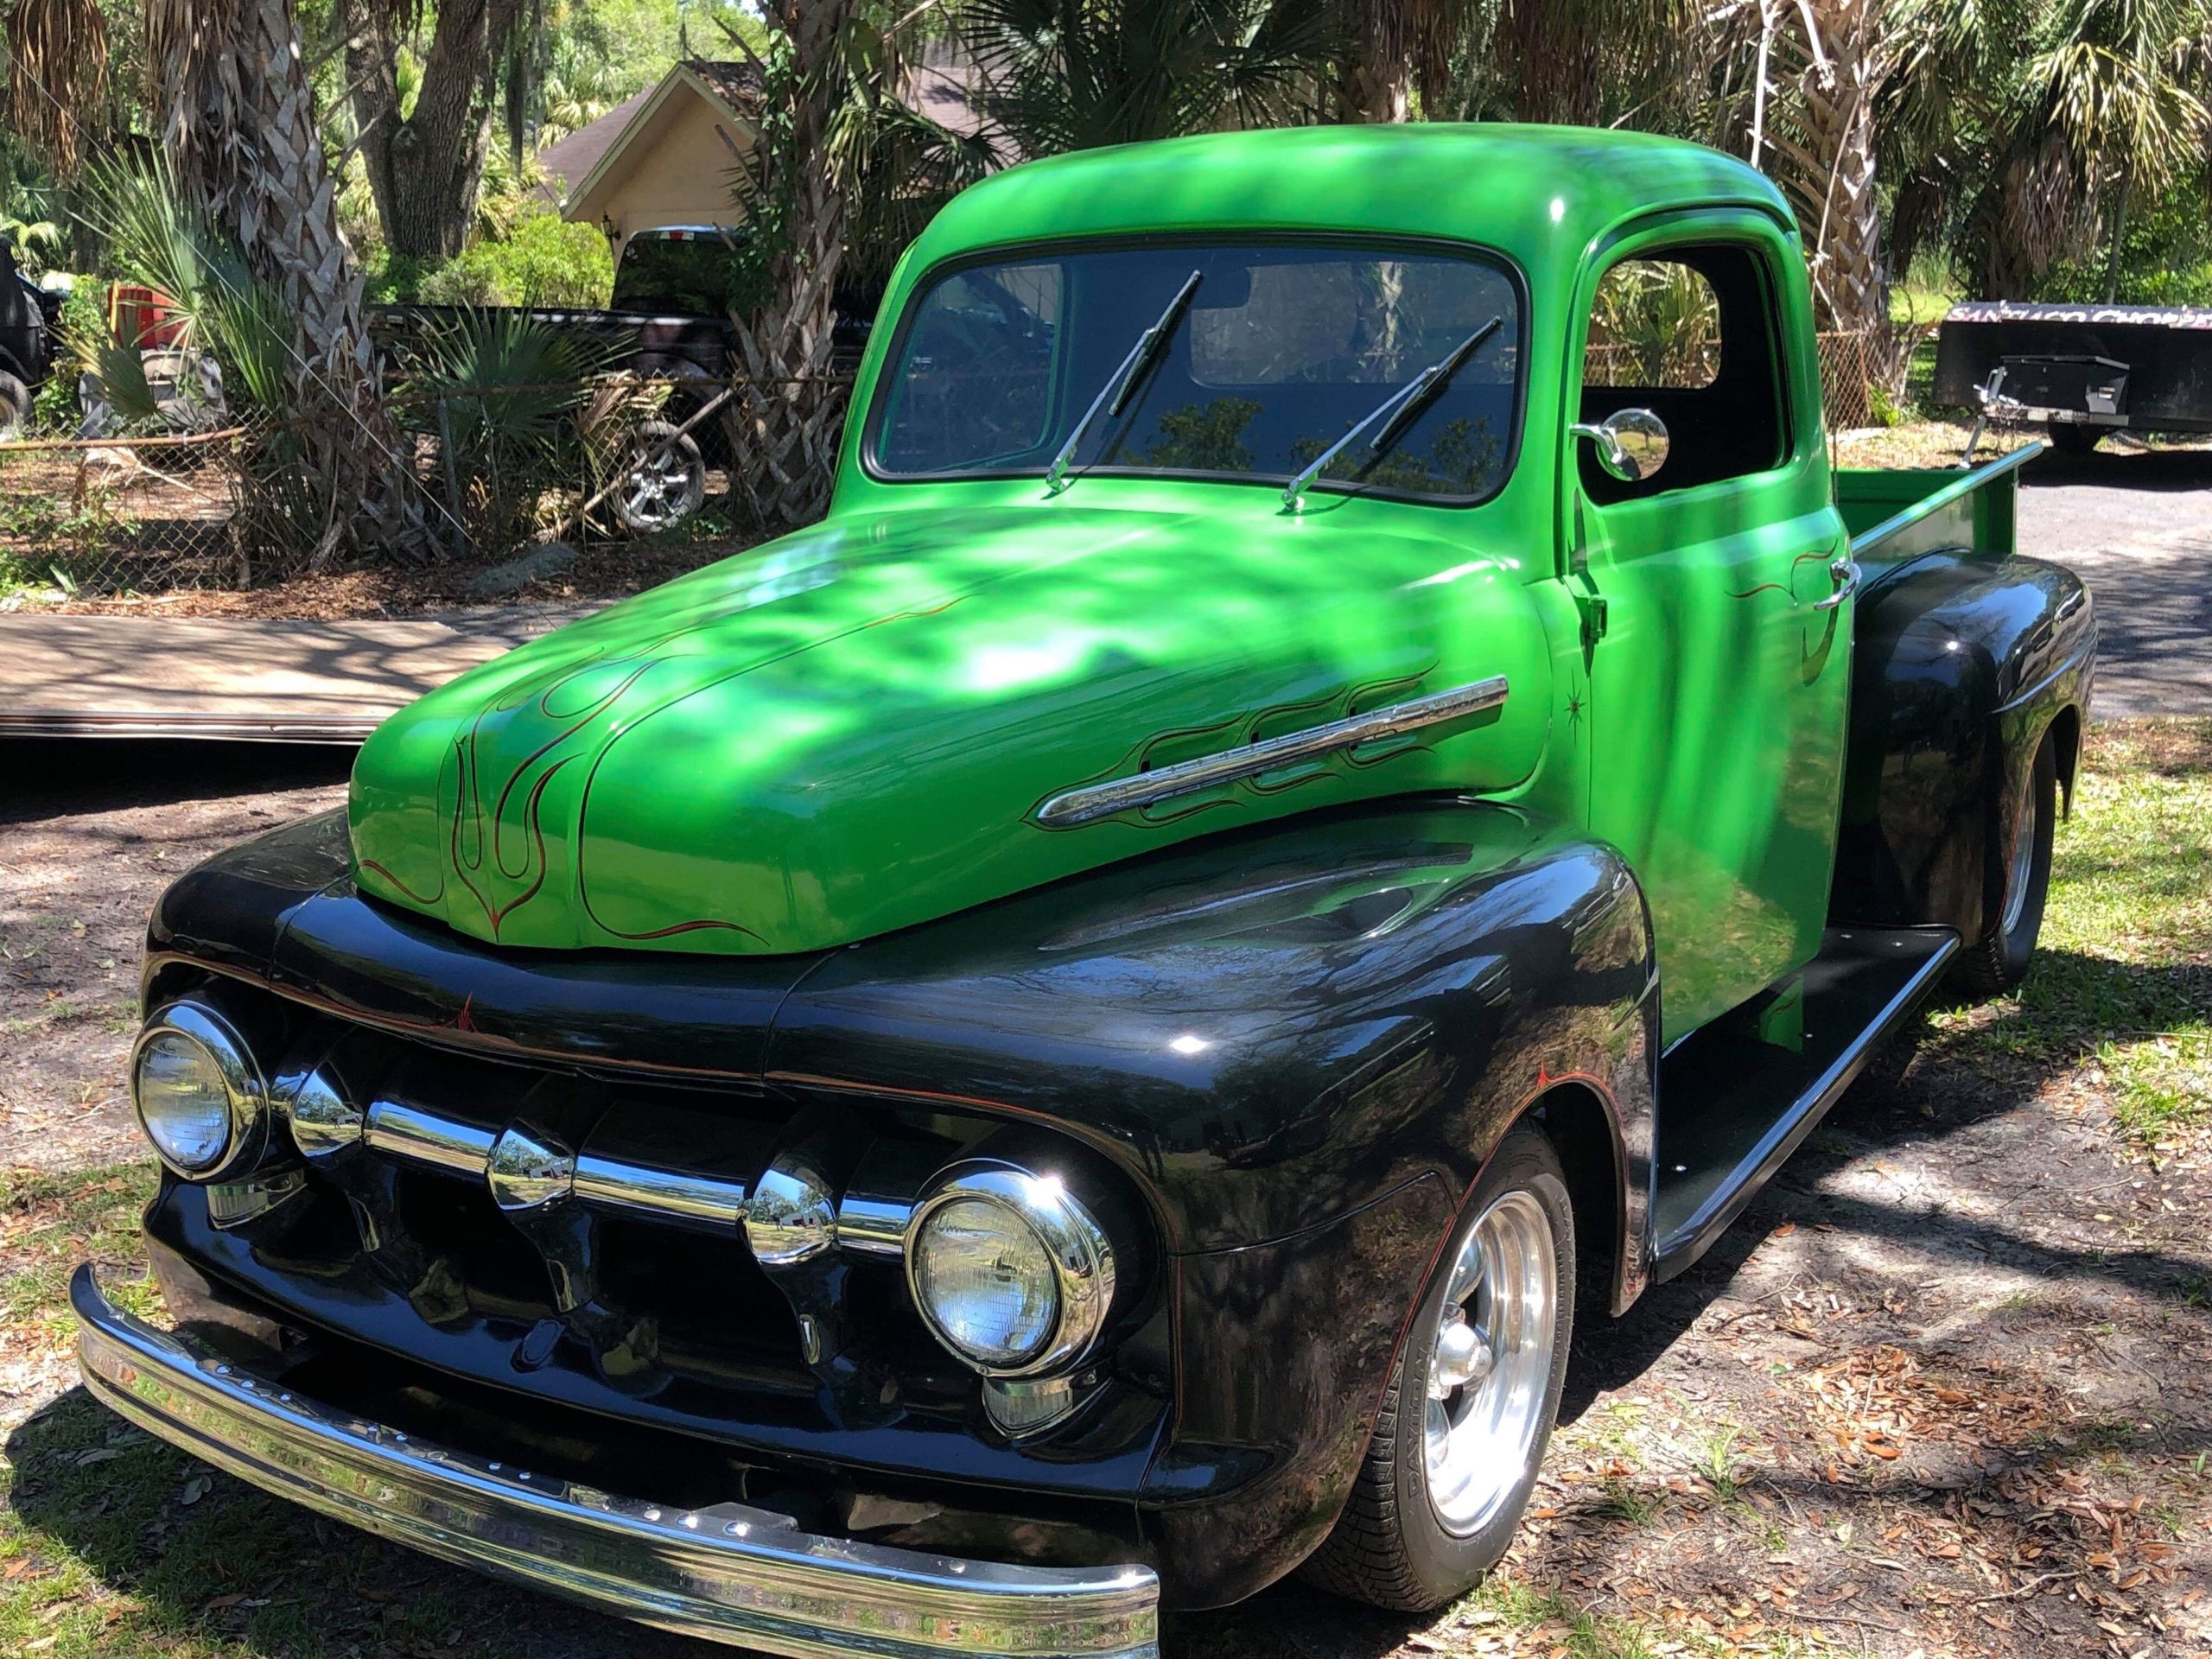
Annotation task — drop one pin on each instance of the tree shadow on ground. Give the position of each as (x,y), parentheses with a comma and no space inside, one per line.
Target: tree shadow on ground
(2123,469)
(202,1555)
(51,778)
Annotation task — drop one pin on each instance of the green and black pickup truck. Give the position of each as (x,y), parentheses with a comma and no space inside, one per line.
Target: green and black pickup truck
(1070,1039)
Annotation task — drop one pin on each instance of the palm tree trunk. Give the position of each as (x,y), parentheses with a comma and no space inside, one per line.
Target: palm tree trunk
(1824,149)
(239,119)
(794,415)
(1377,80)
(1838,163)
(2119,235)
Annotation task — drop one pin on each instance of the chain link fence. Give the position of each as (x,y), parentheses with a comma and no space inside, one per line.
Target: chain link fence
(493,469)
(1863,373)
(131,515)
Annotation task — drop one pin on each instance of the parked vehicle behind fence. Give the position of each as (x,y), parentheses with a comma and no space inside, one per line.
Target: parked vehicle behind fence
(1073,1037)
(678,292)
(30,319)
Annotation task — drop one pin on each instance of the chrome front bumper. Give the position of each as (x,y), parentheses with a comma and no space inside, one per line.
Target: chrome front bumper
(728,1574)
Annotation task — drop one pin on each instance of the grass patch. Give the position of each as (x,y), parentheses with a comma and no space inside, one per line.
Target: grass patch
(115,1544)
(2123,975)
(48,1223)
(1719,1464)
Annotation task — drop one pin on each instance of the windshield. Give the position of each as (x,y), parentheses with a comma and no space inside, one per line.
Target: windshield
(686,274)
(1279,351)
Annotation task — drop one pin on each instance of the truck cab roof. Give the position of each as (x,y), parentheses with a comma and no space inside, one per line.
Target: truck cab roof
(1541,194)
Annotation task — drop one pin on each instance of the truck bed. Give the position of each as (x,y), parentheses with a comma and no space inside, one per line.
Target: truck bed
(1898,515)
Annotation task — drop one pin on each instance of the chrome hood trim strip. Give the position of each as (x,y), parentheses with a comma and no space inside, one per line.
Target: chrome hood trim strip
(1091,802)
(727,1573)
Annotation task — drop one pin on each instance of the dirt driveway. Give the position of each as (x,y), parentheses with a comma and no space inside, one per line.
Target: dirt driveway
(1946,1390)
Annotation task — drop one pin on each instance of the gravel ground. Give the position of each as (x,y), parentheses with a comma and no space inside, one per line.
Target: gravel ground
(1946,1389)
(90,834)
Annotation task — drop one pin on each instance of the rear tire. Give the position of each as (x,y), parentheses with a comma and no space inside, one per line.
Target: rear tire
(14,407)
(660,492)
(2072,438)
(1449,1469)
(1997,961)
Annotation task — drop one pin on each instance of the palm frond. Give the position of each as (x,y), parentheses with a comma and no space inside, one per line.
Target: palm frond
(57,70)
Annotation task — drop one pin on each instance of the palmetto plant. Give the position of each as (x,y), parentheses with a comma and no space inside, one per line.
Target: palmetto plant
(518,404)
(1070,74)
(237,118)
(30,214)
(2018,127)
(162,239)
(2111,104)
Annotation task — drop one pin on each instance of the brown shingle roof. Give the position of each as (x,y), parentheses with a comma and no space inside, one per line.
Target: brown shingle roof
(736,84)
(567,162)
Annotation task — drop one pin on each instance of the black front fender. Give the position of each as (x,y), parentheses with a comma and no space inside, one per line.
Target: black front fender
(1271,1028)
(1305,1042)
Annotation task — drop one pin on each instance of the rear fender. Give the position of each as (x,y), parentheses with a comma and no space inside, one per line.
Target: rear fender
(1961,666)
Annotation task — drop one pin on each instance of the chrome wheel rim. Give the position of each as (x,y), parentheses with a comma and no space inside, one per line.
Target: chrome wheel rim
(2024,860)
(658,492)
(1490,1369)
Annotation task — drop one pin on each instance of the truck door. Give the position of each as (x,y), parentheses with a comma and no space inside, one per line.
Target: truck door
(1718,692)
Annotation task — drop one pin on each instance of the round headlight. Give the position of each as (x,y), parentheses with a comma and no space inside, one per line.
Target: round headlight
(986,1282)
(196,1090)
(1011,1274)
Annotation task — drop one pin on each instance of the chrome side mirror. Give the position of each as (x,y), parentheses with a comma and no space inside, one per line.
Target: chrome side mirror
(1632,443)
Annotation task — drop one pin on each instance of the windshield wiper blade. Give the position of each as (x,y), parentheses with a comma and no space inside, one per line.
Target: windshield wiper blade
(1113,396)
(1396,412)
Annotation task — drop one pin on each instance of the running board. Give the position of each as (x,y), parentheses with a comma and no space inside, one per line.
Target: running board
(1736,1098)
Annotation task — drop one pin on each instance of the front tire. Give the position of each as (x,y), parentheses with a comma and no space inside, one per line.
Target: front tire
(1997,961)
(1471,1399)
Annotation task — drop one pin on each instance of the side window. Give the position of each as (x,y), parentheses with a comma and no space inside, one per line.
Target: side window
(1656,323)
(1690,335)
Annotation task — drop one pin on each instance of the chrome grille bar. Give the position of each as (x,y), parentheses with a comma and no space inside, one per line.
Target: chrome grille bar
(670,1195)
(870,1219)
(422,1136)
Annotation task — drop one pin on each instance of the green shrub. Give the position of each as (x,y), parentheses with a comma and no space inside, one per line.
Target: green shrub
(394,278)
(541,261)
(2165,258)
(471,279)
(84,315)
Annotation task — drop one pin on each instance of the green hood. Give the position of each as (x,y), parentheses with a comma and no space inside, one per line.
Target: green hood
(849,730)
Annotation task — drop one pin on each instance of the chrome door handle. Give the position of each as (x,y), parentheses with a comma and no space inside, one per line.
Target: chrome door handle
(1844,574)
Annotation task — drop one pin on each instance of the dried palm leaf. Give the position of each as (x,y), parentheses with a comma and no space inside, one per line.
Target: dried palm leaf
(57,74)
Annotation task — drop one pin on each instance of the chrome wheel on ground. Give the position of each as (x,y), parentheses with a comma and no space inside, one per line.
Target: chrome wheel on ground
(1492,1361)
(1470,1405)
(665,482)
(2019,881)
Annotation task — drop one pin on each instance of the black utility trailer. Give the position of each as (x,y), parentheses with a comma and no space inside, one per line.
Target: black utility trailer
(2081,370)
